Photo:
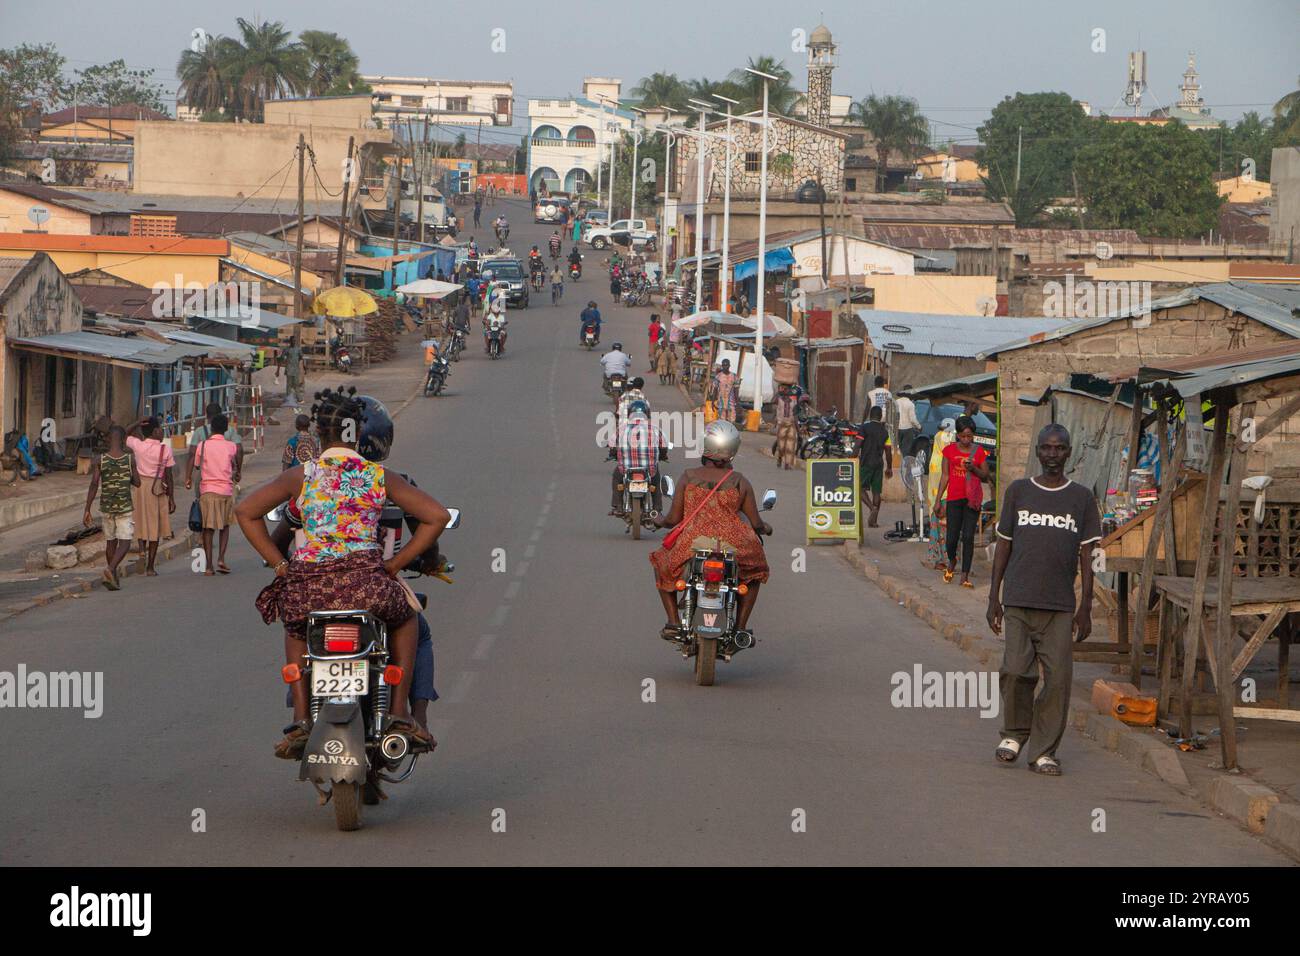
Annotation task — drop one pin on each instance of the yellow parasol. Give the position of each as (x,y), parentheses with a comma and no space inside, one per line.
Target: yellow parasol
(344,301)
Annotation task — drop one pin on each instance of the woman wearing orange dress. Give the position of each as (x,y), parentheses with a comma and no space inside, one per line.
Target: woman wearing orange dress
(730,514)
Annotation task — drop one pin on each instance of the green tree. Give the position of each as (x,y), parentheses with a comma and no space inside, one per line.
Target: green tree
(781,96)
(651,150)
(269,66)
(31,83)
(208,77)
(1049,129)
(1286,118)
(1157,180)
(896,125)
(332,67)
(662,89)
(1251,137)
(112,84)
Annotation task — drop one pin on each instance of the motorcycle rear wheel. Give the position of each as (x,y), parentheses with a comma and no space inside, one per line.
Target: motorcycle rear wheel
(636,519)
(346,798)
(706,658)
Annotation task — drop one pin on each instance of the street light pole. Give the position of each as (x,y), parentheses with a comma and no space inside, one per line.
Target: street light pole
(636,142)
(663,226)
(699,215)
(725,274)
(762,254)
(613,158)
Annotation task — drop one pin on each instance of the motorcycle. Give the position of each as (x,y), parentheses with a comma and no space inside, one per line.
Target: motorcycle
(589,337)
(342,359)
(539,280)
(457,344)
(829,437)
(494,340)
(707,601)
(437,377)
(635,487)
(615,385)
(351,747)
(575,271)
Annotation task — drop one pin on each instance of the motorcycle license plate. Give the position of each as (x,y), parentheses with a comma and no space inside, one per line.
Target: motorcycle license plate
(709,621)
(639,486)
(339,678)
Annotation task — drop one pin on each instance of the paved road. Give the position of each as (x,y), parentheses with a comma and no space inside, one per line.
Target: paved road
(541,669)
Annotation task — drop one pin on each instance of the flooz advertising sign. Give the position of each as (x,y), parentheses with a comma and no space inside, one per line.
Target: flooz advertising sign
(832,506)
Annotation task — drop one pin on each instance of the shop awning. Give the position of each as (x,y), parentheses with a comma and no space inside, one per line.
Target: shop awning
(776,260)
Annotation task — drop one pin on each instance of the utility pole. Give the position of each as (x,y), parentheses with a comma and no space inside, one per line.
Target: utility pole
(343,215)
(297,259)
(1020,134)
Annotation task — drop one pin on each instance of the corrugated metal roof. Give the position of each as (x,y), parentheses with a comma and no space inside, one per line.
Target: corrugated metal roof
(138,350)
(90,152)
(967,383)
(950,336)
(1235,373)
(1274,305)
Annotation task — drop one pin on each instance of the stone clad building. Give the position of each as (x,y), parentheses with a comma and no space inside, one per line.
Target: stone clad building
(1227,316)
(814,153)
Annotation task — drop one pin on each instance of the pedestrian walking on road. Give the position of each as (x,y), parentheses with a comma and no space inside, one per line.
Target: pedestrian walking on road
(478,212)
(786,447)
(113,475)
(656,335)
(1045,530)
(962,476)
(577,229)
(154,498)
(218,461)
(301,447)
(295,370)
(723,392)
(877,463)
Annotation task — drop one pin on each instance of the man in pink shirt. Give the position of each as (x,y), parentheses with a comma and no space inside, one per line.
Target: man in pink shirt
(217,459)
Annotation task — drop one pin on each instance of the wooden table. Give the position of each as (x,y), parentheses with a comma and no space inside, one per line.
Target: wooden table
(1273,599)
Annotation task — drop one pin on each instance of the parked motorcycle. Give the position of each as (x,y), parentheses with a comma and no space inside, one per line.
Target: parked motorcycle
(342,359)
(351,747)
(707,601)
(827,436)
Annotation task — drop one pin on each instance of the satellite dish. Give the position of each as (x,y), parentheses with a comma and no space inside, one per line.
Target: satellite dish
(38,215)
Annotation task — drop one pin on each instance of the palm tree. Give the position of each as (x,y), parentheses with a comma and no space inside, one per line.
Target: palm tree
(781,96)
(205,76)
(331,64)
(1286,115)
(897,126)
(270,66)
(661,89)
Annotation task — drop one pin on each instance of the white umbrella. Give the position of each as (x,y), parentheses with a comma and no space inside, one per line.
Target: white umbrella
(697,319)
(772,324)
(429,288)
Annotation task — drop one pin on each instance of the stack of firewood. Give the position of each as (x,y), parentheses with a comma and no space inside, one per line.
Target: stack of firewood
(382,329)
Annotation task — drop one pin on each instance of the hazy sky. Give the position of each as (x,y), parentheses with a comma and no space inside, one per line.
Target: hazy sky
(958,59)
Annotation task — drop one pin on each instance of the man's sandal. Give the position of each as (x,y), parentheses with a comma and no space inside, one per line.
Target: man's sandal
(1008,750)
(421,740)
(947,575)
(1047,766)
(295,739)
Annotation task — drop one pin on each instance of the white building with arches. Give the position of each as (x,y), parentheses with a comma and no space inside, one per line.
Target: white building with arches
(569,136)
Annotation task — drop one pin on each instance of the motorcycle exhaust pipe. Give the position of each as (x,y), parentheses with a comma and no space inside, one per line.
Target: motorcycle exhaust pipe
(395,746)
(743,641)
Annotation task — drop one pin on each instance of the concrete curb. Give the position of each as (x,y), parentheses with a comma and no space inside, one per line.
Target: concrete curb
(25,509)
(1252,805)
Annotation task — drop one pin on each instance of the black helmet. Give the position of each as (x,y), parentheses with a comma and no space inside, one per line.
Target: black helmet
(376,439)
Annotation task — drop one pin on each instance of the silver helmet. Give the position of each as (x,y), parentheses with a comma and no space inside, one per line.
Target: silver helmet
(721,441)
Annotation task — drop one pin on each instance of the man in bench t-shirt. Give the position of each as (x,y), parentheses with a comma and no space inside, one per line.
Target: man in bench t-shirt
(1045,530)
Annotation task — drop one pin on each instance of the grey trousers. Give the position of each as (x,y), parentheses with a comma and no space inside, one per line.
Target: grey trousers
(1035,636)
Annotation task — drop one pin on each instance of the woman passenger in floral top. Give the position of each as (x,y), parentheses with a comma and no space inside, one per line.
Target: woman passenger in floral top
(340,565)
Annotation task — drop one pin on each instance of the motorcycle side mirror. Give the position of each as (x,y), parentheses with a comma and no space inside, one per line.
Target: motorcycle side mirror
(455,517)
(277,513)
(769,499)
(669,486)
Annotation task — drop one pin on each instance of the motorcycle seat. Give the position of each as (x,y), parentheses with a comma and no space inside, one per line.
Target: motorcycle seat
(709,544)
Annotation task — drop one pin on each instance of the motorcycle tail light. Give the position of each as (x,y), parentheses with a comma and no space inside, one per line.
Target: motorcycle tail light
(742,588)
(392,674)
(713,572)
(638,476)
(342,638)
(291,673)
(681,585)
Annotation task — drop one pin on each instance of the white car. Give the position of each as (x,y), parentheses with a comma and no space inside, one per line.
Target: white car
(599,237)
